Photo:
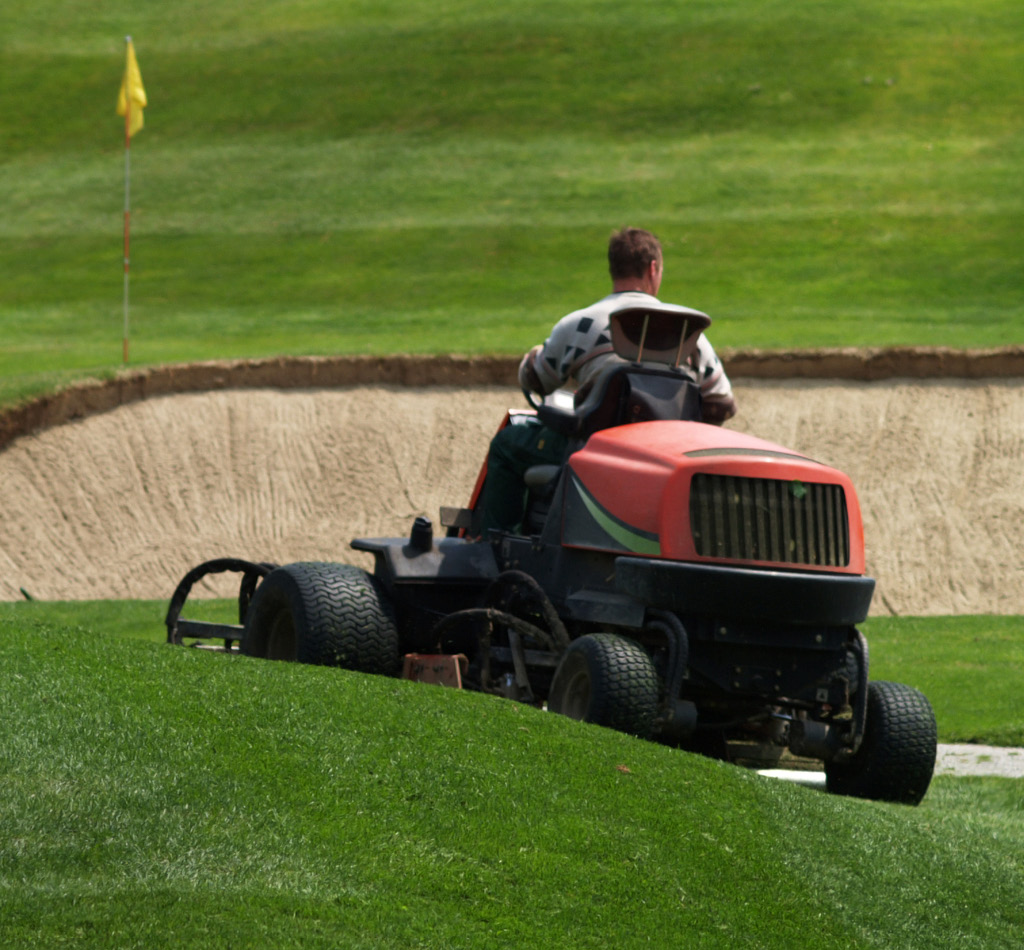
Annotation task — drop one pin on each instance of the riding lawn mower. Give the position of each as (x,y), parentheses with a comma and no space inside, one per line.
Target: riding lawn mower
(672,579)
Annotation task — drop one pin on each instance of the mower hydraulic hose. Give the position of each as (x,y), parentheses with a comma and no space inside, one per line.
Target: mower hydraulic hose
(859,646)
(493,617)
(669,624)
(499,595)
(511,581)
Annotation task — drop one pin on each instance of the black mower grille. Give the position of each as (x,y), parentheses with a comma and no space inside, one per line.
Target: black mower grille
(765,519)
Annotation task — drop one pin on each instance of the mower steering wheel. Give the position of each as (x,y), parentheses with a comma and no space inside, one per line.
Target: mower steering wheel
(531,398)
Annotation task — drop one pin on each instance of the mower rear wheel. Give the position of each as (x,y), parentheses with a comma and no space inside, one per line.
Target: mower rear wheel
(324,614)
(608,680)
(896,758)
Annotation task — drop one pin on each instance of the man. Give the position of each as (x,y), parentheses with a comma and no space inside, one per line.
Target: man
(579,346)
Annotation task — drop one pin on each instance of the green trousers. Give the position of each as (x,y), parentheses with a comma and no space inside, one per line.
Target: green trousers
(514,449)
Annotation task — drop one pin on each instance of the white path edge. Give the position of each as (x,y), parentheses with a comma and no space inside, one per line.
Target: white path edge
(953,759)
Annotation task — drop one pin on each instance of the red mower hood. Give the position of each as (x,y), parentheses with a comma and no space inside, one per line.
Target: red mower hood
(694,492)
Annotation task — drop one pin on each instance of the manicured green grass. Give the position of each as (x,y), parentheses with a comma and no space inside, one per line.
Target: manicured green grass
(154,796)
(971,668)
(335,176)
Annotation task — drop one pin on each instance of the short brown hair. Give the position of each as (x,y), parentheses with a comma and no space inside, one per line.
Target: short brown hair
(631,251)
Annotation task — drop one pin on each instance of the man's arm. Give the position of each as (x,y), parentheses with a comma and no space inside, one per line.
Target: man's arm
(717,401)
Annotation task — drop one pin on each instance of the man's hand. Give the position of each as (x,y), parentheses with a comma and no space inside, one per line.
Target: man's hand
(528,377)
(717,409)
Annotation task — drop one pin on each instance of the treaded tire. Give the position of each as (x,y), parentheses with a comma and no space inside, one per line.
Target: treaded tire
(896,760)
(608,680)
(324,614)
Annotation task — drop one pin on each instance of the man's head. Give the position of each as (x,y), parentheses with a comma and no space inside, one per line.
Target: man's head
(635,261)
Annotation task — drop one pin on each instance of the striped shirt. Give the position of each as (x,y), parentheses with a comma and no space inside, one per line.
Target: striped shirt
(580,344)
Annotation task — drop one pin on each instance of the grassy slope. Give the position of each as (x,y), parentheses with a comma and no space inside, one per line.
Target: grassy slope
(162,797)
(971,668)
(333,176)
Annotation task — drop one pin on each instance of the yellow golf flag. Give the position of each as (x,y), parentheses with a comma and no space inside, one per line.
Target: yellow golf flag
(132,91)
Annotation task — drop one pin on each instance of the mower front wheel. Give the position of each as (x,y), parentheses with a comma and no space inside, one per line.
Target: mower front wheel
(896,758)
(324,614)
(608,680)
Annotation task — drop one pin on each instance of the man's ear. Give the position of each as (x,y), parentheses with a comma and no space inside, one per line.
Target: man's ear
(654,274)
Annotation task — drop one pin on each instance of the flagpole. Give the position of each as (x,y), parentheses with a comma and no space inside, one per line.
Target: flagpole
(127,212)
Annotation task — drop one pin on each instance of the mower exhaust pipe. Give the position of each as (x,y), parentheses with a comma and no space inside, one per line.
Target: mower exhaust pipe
(421,538)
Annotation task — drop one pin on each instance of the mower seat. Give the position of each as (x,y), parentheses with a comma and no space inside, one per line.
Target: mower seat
(623,393)
(649,380)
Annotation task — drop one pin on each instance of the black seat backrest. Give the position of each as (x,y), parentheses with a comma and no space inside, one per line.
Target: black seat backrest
(649,396)
(628,392)
(648,381)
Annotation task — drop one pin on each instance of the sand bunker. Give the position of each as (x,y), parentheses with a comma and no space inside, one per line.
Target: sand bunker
(121,504)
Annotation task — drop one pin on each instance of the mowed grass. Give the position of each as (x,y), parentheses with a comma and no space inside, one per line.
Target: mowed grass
(334,176)
(157,796)
(971,668)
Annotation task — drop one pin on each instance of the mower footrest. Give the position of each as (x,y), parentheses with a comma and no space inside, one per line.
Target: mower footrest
(444,669)
(456,517)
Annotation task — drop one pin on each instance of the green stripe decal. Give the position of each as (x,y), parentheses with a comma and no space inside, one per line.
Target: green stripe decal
(632,539)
